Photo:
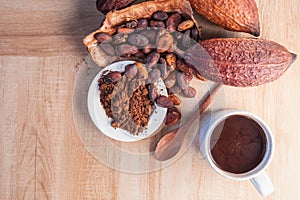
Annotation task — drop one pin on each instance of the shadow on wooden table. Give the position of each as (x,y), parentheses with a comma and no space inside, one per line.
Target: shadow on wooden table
(84,19)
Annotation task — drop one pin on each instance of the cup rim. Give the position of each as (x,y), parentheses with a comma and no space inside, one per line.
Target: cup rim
(270,145)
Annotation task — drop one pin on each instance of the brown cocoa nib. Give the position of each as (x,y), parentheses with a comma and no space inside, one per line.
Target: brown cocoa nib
(126,102)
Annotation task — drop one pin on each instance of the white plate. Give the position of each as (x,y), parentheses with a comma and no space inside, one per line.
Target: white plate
(103,123)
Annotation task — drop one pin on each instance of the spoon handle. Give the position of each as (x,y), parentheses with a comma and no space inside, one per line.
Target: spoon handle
(203,105)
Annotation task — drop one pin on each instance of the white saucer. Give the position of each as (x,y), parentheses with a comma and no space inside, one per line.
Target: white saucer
(103,123)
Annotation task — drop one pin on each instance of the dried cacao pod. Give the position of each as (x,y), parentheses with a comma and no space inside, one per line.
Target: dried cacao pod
(235,15)
(137,12)
(240,62)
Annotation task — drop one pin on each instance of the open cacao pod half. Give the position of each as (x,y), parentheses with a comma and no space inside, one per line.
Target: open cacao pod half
(137,29)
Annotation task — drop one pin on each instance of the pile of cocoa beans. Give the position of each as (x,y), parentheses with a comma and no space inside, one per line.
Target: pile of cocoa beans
(152,41)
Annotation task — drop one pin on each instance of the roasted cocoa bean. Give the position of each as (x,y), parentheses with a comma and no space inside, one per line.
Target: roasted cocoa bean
(120,38)
(186,39)
(138,40)
(195,34)
(175,99)
(126,49)
(142,71)
(171,60)
(157,24)
(185,25)
(173,21)
(160,16)
(107,5)
(112,77)
(152,59)
(101,37)
(164,102)
(183,66)
(107,48)
(171,79)
(140,55)
(131,71)
(148,48)
(150,34)
(182,81)
(154,75)
(132,24)
(142,23)
(163,68)
(173,116)
(175,89)
(125,30)
(152,92)
(164,42)
(189,92)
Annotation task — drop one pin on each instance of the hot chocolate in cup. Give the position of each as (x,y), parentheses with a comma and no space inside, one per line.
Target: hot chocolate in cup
(238,145)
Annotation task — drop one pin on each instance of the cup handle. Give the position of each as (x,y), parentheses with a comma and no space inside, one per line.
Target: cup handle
(263,184)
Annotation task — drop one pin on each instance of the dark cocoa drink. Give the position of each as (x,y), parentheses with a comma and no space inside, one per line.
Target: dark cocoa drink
(238,144)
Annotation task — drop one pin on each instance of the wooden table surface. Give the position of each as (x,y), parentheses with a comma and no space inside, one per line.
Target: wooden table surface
(41,154)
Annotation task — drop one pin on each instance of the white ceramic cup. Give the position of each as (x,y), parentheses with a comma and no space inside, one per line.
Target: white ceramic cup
(257,175)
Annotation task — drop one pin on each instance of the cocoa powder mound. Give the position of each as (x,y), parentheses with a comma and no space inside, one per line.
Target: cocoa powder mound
(126,102)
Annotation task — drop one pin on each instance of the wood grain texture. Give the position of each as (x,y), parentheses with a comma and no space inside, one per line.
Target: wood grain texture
(41,155)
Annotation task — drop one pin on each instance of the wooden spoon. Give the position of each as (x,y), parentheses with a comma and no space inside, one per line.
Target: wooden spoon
(169,145)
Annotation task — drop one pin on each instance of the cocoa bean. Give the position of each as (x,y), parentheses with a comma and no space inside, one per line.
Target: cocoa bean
(171,79)
(164,102)
(148,48)
(160,16)
(185,25)
(154,75)
(182,81)
(138,40)
(101,37)
(163,68)
(164,42)
(107,5)
(175,99)
(130,71)
(142,23)
(112,77)
(173,21)
(150,34)
(140,55)
(157,24)
(173,116)
(126,49)
(183,66)
(171,60)
(120,38)
(152,92)
(152,59)
(107,48)
(189,92)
